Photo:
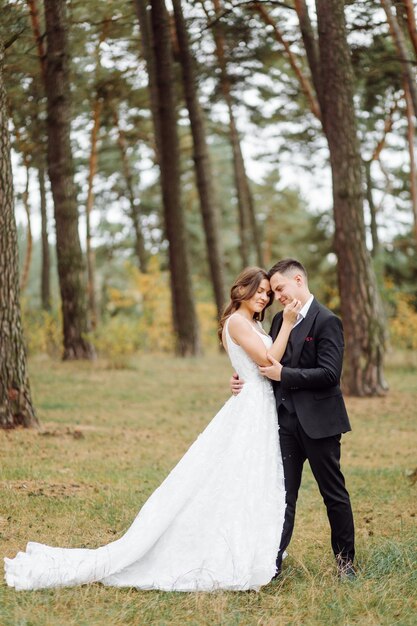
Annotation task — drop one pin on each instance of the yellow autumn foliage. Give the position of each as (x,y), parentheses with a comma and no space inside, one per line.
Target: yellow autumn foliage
(141,320)
(403,326)
(42,331)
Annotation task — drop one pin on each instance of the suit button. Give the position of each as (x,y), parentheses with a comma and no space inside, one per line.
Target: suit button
(282,399)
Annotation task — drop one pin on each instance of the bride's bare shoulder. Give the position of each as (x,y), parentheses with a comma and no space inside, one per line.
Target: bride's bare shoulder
(237,322)
(237,319)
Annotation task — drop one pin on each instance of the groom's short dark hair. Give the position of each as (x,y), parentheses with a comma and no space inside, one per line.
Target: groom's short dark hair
(285,266)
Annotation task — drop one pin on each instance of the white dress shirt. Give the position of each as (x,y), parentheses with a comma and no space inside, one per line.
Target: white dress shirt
(304,310)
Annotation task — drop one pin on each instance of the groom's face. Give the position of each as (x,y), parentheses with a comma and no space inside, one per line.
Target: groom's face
(286,288)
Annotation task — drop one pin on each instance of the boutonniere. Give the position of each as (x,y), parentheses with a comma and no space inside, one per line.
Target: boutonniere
(309,338)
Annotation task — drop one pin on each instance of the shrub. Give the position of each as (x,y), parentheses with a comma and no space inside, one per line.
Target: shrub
(42,331)
(403,324)
(116,340)
(137,317)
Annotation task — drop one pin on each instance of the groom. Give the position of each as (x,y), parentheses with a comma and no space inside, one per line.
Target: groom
(311,410)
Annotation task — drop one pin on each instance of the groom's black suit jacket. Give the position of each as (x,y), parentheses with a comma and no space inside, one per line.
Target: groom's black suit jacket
(312,366)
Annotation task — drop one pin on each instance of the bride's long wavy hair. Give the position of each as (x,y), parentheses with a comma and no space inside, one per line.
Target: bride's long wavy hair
(244,287)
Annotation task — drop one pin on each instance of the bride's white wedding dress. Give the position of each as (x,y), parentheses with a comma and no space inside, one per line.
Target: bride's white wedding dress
(214,523)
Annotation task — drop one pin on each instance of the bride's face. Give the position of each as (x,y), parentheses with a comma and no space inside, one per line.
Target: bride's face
(260,299)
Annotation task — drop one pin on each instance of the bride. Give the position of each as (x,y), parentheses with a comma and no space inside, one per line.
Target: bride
(216,520)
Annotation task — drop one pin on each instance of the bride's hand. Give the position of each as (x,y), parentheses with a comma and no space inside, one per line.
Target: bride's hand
(292,310)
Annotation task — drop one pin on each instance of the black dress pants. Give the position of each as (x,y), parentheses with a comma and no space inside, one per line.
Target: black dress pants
(324,458)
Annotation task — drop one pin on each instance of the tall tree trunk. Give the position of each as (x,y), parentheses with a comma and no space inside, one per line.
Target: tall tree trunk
(388,124)
(255,230)
(372,208)
(403,55)
(135,211)
(249,231)
(147,45)
(41,51)
(92,169)
(26,204)
(243,205)
(205,183)
(389,121)
(362,309)
(184,314)
(46,264)
(410,140)
(411,23)
(61,175)
(310,43)
(29,239)
(37,34)
(16,407)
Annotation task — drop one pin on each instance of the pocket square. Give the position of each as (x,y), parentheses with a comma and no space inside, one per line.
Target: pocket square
(309,338)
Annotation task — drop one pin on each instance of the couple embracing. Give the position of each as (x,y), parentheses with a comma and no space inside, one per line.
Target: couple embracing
(224,516)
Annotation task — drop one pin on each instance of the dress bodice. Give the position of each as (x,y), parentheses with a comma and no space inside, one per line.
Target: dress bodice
(245,367)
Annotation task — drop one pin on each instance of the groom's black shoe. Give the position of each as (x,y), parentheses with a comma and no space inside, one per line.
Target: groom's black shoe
(345,570)
(277,574)
(278,568)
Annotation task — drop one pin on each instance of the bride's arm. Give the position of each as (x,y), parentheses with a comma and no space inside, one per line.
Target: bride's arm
(248,339)
(289,318)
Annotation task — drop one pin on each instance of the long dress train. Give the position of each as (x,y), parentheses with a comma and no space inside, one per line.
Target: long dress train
(214,523)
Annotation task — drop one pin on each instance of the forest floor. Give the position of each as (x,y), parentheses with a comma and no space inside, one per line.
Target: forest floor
(109,437)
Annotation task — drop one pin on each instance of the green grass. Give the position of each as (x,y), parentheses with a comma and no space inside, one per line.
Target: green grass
(110,437)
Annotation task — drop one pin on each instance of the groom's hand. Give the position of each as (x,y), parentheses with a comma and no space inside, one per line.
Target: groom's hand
(236,384)
(271,371)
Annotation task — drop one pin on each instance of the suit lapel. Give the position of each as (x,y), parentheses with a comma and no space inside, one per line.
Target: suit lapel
(301,331)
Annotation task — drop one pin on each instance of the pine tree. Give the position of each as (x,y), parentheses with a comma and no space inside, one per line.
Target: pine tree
(71,269)
(16,407)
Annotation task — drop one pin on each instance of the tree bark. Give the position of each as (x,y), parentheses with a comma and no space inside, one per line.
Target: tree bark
(46,263)
(205,183)
(16,407)
(184,314)
(362,310)
(61,174)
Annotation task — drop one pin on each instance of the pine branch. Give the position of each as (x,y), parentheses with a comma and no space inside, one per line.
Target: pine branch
(303,80)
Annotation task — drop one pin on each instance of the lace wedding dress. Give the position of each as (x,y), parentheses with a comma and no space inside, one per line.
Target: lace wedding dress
(214,523)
